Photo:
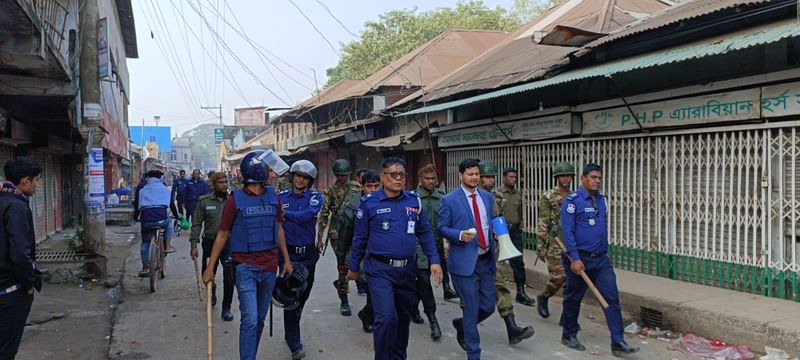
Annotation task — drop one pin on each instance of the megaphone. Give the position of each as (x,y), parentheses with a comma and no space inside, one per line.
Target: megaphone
(506,249)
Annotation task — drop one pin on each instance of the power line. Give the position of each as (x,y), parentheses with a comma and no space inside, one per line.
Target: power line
(335,18)
(315,27)
(183,35)
(236,57)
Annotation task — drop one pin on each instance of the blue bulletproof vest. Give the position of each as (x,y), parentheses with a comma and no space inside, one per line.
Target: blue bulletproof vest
(255,227)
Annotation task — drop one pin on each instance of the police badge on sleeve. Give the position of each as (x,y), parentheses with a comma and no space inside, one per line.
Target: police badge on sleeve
(571,208)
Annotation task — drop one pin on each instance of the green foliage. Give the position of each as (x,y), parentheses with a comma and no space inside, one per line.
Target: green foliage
(398,32)
(75,243)
(204,151)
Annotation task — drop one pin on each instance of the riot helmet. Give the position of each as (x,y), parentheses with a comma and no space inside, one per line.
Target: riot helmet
(253,168)
(289,289)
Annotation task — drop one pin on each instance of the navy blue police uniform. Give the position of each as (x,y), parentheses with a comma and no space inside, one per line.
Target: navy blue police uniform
(584,221)
(299,226)
(388,229)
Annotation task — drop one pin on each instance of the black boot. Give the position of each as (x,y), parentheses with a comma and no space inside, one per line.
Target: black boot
(417,318)
(573,343)
(459,325)
(214,295)
(436,331)
(522,297)
(366,322)
(344,307)
(622,348)
(227,315)
(541,306)
(516,333)
(449,294)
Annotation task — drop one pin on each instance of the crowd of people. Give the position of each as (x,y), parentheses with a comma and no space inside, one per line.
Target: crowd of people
(268,235)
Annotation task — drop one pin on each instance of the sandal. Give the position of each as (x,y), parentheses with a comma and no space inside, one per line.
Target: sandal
(144,273)
(170,250)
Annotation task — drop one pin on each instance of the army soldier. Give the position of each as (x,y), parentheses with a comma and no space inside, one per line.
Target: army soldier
(334,198)
(388,224)
(505,304)
(206,221)
(508,202)
(549,227)
(584,221)
(370,182)
(430,197)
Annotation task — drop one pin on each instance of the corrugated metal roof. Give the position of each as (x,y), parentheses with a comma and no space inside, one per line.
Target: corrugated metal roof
(519,58)
(739,40)
(391,141)
(430,61)
(672,15)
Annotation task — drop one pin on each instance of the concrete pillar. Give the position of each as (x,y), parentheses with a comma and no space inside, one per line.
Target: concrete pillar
(94,219)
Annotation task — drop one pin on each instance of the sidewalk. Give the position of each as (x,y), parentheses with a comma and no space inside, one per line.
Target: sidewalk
(714,313)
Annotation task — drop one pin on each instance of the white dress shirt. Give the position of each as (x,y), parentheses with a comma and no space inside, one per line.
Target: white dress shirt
(484,217)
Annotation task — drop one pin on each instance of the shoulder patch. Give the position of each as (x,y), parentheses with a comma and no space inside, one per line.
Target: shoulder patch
(314,201)
(572,196)
(360,213)
(571,208)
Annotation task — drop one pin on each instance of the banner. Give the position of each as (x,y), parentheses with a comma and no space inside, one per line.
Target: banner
(97,191)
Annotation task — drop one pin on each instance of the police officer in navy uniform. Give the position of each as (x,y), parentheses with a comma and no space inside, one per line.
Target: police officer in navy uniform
(584,221)
(252,217)
(301,204)
(388,223)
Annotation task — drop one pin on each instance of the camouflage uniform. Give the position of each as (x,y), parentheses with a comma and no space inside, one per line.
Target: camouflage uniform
(550,227)
(336,198)
(508,203)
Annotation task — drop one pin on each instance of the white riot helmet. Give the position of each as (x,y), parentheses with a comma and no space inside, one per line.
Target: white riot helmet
(304,168)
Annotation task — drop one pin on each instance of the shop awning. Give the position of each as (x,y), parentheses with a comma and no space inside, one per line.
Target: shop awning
(756,36)
(392,141)
(323,138)
(235,157)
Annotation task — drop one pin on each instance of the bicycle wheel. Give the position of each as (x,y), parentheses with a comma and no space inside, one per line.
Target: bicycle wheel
(155,261)
(162,263)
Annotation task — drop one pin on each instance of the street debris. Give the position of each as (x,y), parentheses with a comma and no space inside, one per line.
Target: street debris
(775,354)
(697,346)
(633,328)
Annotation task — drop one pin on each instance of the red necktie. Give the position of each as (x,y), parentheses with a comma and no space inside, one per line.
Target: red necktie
(477,214)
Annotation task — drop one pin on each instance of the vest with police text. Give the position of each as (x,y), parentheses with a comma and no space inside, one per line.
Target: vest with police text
(255,227)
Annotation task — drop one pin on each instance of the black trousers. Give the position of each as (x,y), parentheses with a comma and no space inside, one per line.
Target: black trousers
(228,272)
(14,310)
(425,291)
(517,264)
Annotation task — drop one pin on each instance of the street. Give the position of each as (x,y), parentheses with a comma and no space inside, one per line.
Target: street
(171,324)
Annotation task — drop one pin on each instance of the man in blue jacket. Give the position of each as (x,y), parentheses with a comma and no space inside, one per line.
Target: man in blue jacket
(178,195)
(195,188)
(301,204)
(465,221)
(18,273)
(153,200)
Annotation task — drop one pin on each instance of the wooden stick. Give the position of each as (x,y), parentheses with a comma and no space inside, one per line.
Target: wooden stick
(208,317)
(197,276)
(585,277)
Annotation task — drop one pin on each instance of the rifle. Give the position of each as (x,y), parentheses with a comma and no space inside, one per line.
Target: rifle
(325,236)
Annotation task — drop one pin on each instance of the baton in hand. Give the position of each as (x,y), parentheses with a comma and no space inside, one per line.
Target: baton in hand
(585,277)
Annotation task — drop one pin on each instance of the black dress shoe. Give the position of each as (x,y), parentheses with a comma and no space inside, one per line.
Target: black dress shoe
(417,318)
(542,307)
(622,348)
(366,324)
(573,343)
(459,325)
(227,315)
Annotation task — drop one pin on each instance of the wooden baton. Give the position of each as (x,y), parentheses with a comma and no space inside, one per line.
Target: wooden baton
(208,317)
(585,277)
(197,275)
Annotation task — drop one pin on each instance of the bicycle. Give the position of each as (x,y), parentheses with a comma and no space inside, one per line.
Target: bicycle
(157,256)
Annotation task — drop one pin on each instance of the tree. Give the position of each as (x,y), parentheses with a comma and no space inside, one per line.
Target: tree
(525,10)
(398,32)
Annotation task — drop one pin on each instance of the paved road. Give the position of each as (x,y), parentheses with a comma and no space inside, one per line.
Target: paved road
(171,324)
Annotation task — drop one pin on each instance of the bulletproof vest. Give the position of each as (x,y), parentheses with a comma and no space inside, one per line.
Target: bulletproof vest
(154,194)
(255,227)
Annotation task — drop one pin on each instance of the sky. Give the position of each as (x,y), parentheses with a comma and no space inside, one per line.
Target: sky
(182,65)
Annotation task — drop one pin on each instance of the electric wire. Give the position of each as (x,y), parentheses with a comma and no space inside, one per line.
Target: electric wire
(322,4)
(333,48)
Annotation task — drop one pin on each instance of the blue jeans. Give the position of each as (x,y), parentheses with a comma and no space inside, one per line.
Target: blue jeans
(254,287)
(148,231)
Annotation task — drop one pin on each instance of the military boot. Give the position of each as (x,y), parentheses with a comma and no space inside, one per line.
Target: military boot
(522,297)
(416,317)
(449,294)
(344,307)
(516,333)
(542,307)
(436,331)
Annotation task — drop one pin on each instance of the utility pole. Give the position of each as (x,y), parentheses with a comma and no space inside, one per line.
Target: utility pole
(219,149)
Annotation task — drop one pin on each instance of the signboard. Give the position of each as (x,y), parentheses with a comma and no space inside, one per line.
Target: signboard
(250,116)
(219,135)
(103,55)
(780,100)
(731,106)
(96,178)
(532,129)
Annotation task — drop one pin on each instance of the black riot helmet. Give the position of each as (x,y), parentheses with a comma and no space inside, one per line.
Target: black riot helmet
(289,288)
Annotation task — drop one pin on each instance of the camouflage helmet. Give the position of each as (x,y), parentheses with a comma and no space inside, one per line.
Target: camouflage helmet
(342,167)
(563,168)
(487,168)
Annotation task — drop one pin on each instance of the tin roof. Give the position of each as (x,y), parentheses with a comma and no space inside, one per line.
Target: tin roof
(519,58)
(718,45)
(434,59)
